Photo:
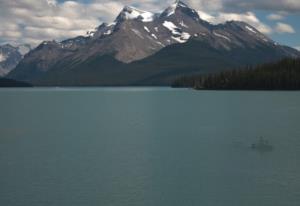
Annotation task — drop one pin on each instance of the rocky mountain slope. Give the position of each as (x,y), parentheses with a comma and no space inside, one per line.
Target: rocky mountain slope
(10,56)
(143,48)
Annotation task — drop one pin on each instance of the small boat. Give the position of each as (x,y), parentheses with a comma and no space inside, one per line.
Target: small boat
(262,145)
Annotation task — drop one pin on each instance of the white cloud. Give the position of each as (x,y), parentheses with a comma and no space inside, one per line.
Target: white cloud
(207,17)
(36,20)
(248,17)
(246,5)
(32,21)
(211,5)
(52,2)
(275,17)
(271,5)
(284,28)
(297,47)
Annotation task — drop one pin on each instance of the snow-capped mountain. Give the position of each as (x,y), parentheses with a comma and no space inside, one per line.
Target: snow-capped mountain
(136,36)
(10,56)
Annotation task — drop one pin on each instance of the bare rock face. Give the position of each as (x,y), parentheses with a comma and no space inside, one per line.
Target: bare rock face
(137,35)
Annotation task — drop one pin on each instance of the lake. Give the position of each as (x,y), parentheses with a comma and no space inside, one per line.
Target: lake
(148,147)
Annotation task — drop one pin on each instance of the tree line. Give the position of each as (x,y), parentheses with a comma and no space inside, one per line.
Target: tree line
(282,75)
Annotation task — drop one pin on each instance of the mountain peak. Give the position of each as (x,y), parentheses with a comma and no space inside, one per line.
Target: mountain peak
(182,7)
(179,3)
(130,12)
(8,46)
(172,9)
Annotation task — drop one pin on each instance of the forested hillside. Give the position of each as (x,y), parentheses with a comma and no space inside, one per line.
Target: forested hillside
(12,83)
(282,75)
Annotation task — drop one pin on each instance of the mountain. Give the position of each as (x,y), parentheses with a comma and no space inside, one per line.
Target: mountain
(144,48)
(10,56)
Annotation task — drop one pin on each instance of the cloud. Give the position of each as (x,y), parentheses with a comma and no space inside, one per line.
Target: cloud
(297,47)
(284,28)
(36,20)
(248,17)
(32,21)
(204,5)
(271,5)
(275,17)
(245,5)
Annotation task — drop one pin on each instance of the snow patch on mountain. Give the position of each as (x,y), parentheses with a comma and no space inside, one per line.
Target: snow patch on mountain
(183,38)
(147,17)
(171,27)
(131,13)
(154,36)
(111,24)
(146,28)
(250,29)
(177,34)
(134,13)
(108,32)
(90,33)
(222,36)
(138,33)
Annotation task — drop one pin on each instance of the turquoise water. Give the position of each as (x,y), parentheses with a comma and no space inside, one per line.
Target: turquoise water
(148,146)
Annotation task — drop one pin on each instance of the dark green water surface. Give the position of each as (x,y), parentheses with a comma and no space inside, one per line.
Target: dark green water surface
(148,147)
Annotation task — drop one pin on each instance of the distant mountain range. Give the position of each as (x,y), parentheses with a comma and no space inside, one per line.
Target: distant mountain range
(143,48)
(10,56)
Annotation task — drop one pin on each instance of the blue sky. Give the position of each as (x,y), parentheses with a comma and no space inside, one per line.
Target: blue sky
(293,19)
(32,21)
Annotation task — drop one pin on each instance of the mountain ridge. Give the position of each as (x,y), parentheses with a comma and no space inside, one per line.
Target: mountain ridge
(136,36)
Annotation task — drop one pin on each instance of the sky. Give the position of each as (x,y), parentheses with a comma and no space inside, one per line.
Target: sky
(33,21)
